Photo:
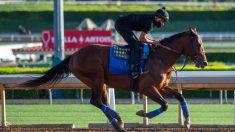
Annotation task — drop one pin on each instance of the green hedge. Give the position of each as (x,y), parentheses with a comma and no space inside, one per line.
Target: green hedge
(213,58)
(213,66)
(20,70)
(221,57)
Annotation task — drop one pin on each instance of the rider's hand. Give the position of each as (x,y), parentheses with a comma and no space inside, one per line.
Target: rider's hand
(156,43)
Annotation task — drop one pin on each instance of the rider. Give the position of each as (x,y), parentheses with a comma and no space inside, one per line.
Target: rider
(125,25)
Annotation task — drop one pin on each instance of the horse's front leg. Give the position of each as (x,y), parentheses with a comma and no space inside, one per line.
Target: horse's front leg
(169,92)
(154,94)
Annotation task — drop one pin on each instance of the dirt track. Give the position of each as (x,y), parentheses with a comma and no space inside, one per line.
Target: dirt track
(111,130)
(194,129)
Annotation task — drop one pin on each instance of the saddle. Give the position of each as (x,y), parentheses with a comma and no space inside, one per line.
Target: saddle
(123,52)
(119,58)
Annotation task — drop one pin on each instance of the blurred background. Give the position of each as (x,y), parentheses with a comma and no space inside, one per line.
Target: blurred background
(23,21)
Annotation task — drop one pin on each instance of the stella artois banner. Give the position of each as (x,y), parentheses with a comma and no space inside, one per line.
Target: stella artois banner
(77,38)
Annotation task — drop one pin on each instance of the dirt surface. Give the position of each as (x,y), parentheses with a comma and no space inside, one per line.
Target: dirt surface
(111,130)
(163,128)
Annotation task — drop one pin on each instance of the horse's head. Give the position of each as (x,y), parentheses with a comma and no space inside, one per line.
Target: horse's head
(195,49)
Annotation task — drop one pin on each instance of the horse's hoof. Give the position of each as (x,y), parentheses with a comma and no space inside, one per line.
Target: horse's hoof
(119,126)
(141,113)
(187,123)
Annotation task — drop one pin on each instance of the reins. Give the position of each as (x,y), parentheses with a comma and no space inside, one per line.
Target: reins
(176,71)
(170,49)
(179,53)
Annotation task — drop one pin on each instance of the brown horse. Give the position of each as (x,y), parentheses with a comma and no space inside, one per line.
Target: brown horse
(90,65)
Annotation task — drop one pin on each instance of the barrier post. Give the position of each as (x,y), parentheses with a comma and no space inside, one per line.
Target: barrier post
(50,96)
(3,103)
(180,115)
(234,105)
(145,103)
(112,98)
(132,97)
(221,97)
(226,96)
(81,96)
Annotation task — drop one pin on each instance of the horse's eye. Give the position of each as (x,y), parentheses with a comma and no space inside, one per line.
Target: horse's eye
(199,45)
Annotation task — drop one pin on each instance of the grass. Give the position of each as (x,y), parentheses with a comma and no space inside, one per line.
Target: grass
(102,8)
(83,114)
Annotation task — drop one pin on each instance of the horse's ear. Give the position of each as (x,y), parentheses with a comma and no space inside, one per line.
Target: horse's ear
(193,30)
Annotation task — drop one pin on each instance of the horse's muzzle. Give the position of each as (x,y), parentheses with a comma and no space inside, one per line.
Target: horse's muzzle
(205,63)
(199,63)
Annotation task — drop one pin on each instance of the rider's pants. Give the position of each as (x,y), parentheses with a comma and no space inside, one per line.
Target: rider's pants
(129,36)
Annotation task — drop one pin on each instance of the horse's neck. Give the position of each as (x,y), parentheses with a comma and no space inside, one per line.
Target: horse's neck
(168,57)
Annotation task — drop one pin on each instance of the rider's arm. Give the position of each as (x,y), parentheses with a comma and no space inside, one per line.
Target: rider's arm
(144,38)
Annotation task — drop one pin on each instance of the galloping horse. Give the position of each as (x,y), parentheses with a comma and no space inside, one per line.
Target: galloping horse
(90,65)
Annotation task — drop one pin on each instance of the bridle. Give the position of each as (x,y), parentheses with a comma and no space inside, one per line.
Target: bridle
(195,58)
(178,53)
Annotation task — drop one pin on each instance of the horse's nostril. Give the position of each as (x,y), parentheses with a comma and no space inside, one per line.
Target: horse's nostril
(205,63)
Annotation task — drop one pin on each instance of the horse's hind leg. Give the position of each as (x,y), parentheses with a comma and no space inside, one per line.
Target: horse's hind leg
(98,94)
(169,92)
(154,94)
(105,101)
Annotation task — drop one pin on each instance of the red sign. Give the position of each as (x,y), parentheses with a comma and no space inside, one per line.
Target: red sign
(77,39)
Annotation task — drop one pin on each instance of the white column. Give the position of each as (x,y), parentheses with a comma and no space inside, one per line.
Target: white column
(145,105)
(180,116)
(226,96)
(3,103)
(221,97)
(234,105)
(112,98)
(132,97)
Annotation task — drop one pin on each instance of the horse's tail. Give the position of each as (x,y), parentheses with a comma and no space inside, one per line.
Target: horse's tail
(52,76)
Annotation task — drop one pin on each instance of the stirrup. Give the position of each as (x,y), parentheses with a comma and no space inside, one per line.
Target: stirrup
(144,72)
(135,75)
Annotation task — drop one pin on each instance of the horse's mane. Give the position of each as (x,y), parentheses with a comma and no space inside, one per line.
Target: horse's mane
(167,40)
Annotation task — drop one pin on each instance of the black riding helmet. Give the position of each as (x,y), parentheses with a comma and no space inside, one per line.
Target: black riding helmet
(162,13)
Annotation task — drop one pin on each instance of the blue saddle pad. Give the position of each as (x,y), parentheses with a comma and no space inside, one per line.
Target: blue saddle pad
(119,59)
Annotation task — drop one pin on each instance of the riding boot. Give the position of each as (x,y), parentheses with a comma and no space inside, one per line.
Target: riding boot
(134,67)
(134,61)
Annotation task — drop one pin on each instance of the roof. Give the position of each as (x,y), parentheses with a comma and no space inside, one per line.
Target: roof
(108,25)
(87,24)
